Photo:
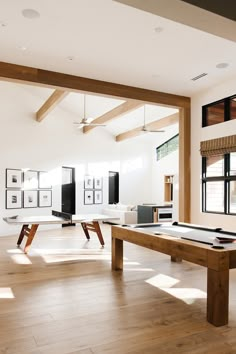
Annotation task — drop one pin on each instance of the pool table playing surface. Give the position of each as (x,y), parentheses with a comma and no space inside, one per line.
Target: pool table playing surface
(212,248)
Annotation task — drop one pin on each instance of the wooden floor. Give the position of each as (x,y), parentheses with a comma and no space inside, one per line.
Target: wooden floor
(62,298)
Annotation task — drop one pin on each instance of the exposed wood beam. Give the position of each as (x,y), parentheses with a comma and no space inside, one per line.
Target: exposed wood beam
(156,125)
(50,104)
(40,77)
(116,112)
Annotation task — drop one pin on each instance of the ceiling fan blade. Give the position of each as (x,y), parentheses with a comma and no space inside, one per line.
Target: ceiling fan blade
(85,124)
(145,129)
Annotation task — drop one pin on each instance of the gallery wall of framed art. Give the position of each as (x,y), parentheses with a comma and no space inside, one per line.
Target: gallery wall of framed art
(27,189)
(93,193)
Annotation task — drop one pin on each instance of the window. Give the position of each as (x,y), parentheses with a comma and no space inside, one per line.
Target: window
(219,112)
(219,184)
(168,147)
(233,108)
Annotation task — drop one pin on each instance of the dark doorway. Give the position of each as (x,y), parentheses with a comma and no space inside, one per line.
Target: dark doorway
(113,195)
(68,191)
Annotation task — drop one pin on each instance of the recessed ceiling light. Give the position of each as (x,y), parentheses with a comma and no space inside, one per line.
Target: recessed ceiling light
(158,29)
(30,14)
(70,58)
(222,65)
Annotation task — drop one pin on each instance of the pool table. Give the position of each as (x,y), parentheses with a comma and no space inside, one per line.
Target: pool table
(212,248)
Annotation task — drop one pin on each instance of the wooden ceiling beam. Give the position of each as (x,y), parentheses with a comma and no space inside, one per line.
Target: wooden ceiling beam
(115,113)
(156,125)
(50,104)
(40,77)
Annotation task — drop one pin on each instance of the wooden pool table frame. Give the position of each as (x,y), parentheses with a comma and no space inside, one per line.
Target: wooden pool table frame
(217,262)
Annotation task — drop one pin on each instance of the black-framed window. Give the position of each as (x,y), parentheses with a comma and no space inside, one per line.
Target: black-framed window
(219,111)
(169,146)
(219,184)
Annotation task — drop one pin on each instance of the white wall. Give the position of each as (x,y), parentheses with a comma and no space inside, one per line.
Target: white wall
(199,134)
(142,176)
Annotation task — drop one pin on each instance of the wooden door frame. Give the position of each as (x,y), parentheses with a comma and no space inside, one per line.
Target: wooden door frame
(39,77)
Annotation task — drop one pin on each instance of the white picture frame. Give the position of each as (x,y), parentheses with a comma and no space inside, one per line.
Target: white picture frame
(88,197)
(88,182)
(30,199)
(13,199)
(45,198)
(13,178)
(98,197)
(44,180)
(97,182)
(30,180)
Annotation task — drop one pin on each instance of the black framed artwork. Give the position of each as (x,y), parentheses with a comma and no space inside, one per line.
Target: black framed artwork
(98,197)
(13,178)
(30,179)
(98,183)
(88,182)
(44,180)
(88,197)
(45,198)
(13,199)
(30,199)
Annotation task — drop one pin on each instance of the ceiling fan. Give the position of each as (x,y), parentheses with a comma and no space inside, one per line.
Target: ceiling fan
(144,127)
(86,121)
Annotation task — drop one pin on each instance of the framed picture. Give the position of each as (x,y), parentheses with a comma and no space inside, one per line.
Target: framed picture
(98,183)
(30,179)
(13,199)
(45,198)
(13,178)
(44,180)
(88,182)
(30,199)
(88,197)
(97,197)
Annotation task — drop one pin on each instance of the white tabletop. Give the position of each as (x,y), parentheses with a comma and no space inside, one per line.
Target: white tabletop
(44,219)
(51,219)
(91,217)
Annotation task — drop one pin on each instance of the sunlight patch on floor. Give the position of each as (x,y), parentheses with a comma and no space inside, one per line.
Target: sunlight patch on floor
(131,263)
(187,295)
(18,256)
(139,269)
(6,293)
(20,259)
(15,250)
(162,281)
(166,283)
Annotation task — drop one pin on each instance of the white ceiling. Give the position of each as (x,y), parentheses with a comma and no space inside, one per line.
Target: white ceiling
(113,42)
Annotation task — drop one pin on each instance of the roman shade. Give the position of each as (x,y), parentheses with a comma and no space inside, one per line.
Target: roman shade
(219,146)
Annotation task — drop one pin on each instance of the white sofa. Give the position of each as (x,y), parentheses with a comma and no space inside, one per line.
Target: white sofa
(125,214)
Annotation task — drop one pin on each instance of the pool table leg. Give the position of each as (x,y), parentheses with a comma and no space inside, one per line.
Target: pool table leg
(117,254)
(217,296)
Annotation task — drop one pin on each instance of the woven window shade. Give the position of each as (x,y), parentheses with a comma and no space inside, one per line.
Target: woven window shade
(219,146)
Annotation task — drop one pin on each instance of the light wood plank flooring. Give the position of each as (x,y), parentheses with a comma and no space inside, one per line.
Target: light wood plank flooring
(62,298)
